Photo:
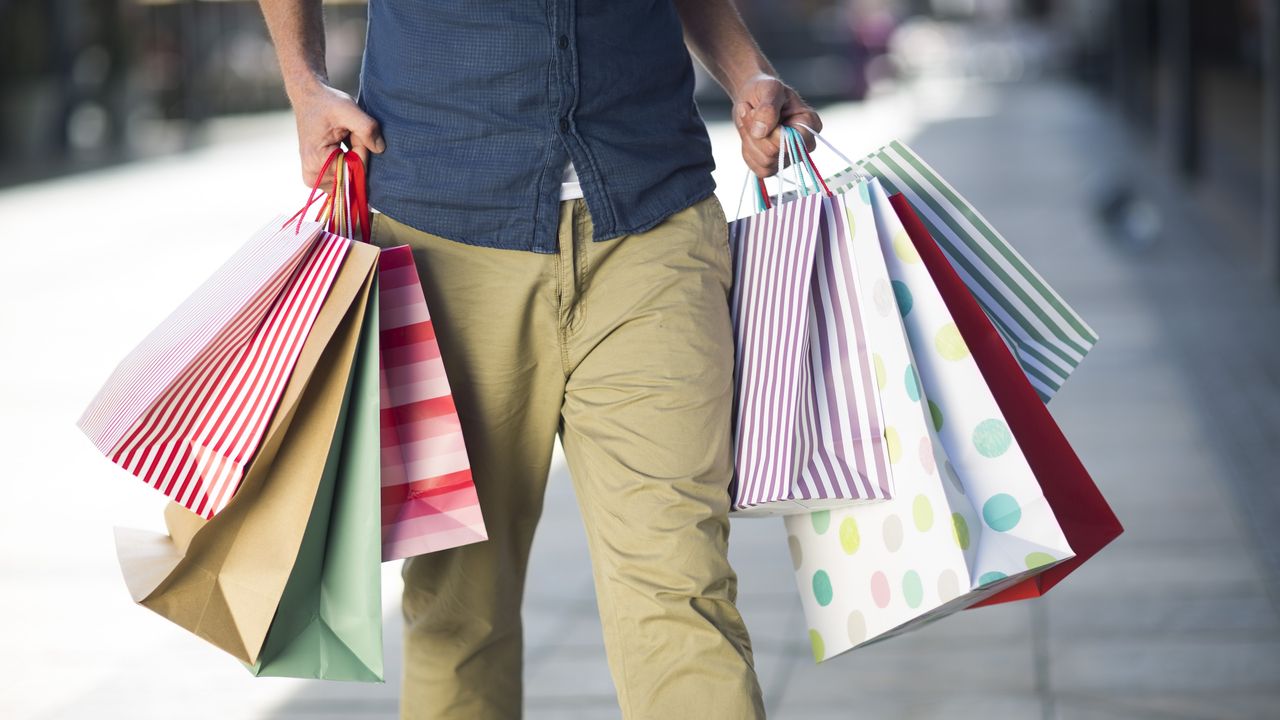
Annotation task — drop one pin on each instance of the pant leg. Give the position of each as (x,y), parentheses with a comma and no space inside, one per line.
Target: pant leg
(495,314)
(646,432)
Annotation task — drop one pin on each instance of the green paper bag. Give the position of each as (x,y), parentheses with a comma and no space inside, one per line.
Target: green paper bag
(329,622)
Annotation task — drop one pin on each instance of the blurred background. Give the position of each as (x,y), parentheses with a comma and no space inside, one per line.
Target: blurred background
(1129,148)
(87,83)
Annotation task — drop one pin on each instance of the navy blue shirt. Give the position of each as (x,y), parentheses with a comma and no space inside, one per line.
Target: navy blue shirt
(483,102)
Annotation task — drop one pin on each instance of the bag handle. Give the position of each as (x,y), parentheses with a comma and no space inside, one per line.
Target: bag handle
(857,169)
(345,209)
(760,190)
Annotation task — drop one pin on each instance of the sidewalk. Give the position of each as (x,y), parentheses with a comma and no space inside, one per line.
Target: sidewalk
(1174,413)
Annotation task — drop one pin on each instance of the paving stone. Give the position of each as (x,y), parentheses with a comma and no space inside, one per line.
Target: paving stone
(1166,664)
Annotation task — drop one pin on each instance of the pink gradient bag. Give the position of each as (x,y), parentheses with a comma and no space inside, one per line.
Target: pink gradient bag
(429,501)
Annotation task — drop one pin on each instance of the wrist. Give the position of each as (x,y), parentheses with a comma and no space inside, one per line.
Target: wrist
(303,85)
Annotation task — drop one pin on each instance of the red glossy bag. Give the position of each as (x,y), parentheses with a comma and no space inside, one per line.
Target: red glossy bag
(1086,518)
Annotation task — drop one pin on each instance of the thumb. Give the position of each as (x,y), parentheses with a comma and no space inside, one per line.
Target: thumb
(763,118)
(764,113)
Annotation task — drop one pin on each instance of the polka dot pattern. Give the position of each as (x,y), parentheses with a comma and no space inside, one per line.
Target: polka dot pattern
(960,531)
(935,414)
(948,585)
(953,477)
(893,444)
(903,248)
(922,513)
(1001,512)
(821,520)
(912,589)
(883,298)
(961,482)
(850,539)
(815,642)
(892,532)
(913,384)
(1039,559)
(992,437)
(880,589)
(796,550)
(903,295)
(991,577)
(822,587)
(856,626)
(927,460)
(950,344)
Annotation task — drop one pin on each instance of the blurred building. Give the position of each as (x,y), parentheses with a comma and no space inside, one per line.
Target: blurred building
(1199,83)
(85,82)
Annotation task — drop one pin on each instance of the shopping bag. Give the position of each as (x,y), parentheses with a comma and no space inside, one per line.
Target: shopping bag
(429,500)
(975,523)
(186,410)
(329,621)
(1048,337)
(1084,515)
(809,427)
(223,579)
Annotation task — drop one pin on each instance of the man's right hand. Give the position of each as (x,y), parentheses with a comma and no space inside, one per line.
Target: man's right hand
(327,117)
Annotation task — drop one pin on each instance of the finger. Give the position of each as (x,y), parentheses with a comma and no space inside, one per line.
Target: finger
(363,129)
(766,162)
(809,118)
(756,168)
(768,145)
(313,162)
(753,153)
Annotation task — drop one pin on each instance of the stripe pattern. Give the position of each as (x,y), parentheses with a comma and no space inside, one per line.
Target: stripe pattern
(1048,337)
(429,501)
(808,426)
(187,409)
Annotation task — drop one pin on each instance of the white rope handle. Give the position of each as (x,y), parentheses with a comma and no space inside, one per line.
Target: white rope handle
(857,170)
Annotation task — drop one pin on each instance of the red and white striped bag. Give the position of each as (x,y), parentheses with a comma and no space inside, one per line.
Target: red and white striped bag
(429,501)
(186,409)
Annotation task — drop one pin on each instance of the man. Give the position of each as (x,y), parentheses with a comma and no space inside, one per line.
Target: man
(547,164)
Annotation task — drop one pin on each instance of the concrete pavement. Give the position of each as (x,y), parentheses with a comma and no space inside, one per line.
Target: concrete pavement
(1177,620)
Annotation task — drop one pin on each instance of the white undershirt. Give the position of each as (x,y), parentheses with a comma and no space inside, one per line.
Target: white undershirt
(569,187)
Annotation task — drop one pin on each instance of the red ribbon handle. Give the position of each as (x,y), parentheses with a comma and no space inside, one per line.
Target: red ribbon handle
(355,203)
(358,198)
(311,199)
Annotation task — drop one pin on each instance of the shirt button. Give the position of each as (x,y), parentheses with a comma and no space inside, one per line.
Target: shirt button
(563,42)
(564,125)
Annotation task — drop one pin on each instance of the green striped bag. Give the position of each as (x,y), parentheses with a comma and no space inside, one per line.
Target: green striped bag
(1048,338)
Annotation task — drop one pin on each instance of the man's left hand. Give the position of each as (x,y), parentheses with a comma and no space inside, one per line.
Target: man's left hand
(763,104)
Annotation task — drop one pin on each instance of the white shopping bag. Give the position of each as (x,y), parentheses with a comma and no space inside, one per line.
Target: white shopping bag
(968,522)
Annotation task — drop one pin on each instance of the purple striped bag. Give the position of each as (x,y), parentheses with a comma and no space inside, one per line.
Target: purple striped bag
(809,425)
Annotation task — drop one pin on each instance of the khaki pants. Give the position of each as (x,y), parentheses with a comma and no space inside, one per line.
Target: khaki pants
(625,349)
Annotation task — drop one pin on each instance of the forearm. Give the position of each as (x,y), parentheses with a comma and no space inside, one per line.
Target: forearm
(716,35)
(297,31)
